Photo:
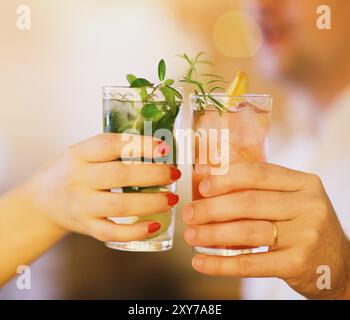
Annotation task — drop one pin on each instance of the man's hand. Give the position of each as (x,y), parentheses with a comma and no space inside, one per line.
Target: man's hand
(239,210)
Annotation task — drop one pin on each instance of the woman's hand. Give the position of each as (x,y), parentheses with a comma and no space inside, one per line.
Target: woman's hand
(74,192)
(239,210)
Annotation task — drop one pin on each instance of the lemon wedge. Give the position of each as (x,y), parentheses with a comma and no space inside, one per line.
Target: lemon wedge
(238,87)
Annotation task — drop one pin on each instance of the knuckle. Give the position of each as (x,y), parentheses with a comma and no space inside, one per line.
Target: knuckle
(202,214)
(315,180)
(250,201)
(160,173)
(107,139)
(319,209)
(244,267)
(116,205)
(70,160)
(311,236)
(260,171)
(70,152)
(248,232)
(298,263)
(121,172)
(101,233)
(76,216)
(207,235)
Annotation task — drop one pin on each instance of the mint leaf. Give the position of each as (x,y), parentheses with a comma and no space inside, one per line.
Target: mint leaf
(140,83)
(151,111)
(143,94)
(169,82)
(142,90)
(131,78)
(161,70)
(169,96)
(176,93)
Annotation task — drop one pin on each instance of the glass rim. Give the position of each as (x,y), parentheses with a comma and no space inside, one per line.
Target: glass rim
(127,87)
(117,87)
(224,95)
(260,101)
(129,90)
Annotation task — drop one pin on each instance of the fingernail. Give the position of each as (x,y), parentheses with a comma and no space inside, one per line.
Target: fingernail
(198,261)
(204,187)
(175,174)
(188,213)
(153,227)
(172,199)
(191,233)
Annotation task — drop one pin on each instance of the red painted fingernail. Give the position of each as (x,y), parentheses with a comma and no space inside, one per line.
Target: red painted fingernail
(153,227)
(175,173)
(172,199)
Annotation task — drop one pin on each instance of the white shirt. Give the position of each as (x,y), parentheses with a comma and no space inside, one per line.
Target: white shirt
(323,149)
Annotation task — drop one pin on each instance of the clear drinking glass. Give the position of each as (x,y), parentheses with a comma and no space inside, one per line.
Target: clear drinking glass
(121,114)
(247,119)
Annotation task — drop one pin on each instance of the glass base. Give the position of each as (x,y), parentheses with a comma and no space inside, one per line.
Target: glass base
(142,246)
(228,252)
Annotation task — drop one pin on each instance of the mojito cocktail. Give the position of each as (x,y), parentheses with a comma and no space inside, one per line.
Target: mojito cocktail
(125,112)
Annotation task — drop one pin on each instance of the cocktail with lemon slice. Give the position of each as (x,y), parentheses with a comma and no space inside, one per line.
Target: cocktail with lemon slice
(247,118)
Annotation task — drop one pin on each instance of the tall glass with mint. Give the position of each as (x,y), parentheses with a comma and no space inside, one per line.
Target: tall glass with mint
(144,108)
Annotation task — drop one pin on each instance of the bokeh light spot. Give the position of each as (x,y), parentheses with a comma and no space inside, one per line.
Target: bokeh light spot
(237,35)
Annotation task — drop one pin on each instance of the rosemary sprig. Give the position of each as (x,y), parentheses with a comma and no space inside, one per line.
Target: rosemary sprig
(202,90)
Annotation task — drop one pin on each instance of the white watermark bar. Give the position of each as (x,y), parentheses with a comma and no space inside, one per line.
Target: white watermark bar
(204,147)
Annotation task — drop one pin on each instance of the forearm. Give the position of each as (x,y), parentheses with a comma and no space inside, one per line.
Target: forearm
(25,232)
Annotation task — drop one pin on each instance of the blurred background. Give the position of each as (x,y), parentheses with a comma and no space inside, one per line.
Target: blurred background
(50,97)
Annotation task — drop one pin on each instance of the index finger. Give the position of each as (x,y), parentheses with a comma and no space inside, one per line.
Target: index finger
(253,175)
(111,146)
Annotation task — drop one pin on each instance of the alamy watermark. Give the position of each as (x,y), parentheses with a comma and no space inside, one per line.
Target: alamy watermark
(324,280)
(324,20)
(203,147)
(24,281)
(24,17)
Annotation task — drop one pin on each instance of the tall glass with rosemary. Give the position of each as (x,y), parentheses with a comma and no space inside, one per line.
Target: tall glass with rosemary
(228,129)
(145,109)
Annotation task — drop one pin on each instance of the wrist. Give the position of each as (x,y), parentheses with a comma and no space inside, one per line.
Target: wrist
(344,292)
(26,193)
